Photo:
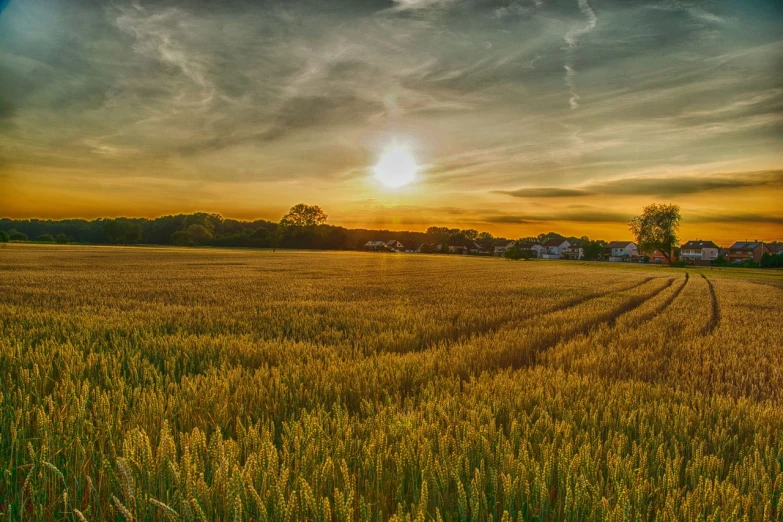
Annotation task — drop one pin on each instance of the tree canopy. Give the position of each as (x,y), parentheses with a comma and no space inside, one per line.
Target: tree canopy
(121,231)
(303,216)
(656,229)
(15,235)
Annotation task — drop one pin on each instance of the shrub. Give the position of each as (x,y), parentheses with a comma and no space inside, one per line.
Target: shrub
(4,236)
(62,239)
(181,238)
(15,235)
(45,238)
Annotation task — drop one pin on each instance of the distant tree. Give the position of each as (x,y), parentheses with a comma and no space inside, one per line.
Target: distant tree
(542,238)
(299,227)
(485,237)
(45,238)
(594,249)
(231,226)
(121,231)
(208,221)
(332,238)
(199,234)
(180,238)
(517,252)
(470,234)
(303,216)
(437,233)
(656,229)
(771,260)
(160,230)
(61,239)
(15,235)
(4,236)
(260,233)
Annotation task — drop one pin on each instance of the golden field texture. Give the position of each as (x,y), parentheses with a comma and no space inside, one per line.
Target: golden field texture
(176,384)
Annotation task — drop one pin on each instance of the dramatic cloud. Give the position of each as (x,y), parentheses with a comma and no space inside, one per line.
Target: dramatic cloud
(244,107)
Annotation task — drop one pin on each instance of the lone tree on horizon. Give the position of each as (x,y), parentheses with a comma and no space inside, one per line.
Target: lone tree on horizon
(300,220)
(656,229)
(303,216)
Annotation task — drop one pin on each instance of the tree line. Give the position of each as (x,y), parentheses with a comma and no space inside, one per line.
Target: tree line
(302,227)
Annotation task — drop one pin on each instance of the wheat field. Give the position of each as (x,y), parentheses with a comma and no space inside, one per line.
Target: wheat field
(204,384)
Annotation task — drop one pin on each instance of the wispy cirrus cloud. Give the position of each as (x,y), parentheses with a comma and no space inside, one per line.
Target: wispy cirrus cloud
(572,39)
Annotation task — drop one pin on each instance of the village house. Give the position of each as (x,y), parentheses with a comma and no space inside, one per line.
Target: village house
(536,248)
(375,245)
(392,245)
(428,248)
(573,252)
(481,248)
(656,256)
(775,248)
(501,248)
(621,250)
(553,248)
(742,251)
(699,252)
(395,246)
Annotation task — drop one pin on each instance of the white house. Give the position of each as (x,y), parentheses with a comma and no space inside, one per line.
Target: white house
(481,248)
(501,249)
(572,252)
(534,247)
(395,246)
(375,245)
(553,249)
(699,251)
(621,250)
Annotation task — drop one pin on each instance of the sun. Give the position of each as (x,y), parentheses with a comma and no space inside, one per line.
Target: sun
(396,168)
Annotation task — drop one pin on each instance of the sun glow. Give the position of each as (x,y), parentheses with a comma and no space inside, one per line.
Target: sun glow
(396,168)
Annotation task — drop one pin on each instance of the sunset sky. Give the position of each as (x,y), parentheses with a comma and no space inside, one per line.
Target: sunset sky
(523,116)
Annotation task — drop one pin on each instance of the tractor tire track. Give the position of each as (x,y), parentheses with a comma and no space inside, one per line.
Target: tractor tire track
(497,326)
(715,318)
(664,305)
(609,318)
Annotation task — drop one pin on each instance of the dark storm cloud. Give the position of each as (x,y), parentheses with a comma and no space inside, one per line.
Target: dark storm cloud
(663,187)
